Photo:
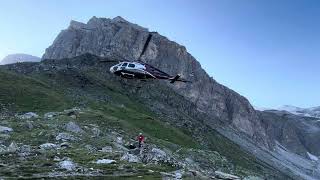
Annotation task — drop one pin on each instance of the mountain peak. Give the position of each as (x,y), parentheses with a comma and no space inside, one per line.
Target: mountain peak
(119,19)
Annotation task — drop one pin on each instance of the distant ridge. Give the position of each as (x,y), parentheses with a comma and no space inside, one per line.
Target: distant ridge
(19,57)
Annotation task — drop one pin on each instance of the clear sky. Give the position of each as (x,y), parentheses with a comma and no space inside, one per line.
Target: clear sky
(266,50)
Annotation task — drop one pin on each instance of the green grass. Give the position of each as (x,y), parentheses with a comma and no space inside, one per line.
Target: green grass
(28,94)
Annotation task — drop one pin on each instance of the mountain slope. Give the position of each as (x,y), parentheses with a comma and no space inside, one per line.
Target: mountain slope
(169,120)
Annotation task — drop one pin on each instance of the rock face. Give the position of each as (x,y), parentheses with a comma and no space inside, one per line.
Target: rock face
(119,38)
(14,58)
(296,133)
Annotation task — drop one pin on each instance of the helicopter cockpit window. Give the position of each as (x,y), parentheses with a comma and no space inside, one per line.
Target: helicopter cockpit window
(124,64)
(131,65)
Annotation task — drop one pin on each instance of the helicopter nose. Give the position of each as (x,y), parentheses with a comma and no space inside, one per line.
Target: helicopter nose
(112,69)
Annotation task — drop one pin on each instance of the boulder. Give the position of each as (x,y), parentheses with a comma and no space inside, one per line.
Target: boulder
(67,165)
(107,149)
(50,115)
(158,154)
(65,137)
(65,145)
(73,127)
(96,132)
(105,161)
(4,129)
(28,115)
(48,146)
(119,140)
(29,125)
(25,150)
(130,158)
(3,149)
(13,147)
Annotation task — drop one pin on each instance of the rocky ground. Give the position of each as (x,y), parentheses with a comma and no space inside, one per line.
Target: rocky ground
(76,143)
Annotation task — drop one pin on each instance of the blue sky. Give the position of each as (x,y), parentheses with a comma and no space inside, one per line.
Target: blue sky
(268,51)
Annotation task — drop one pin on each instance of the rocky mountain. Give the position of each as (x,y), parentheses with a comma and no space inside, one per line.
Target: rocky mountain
(221,108)
(14,58)
(108,37)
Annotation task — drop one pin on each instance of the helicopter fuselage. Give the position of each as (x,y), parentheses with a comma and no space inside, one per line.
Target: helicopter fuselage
(141,70)
(131,70)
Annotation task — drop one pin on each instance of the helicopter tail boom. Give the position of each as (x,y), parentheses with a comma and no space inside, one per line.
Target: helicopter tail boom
(175,78)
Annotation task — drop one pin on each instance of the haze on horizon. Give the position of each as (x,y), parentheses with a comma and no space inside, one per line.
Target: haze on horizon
(268,51)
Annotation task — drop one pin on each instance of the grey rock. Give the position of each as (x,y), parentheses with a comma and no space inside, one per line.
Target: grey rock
(48,146)
(107,149)
(67,165)
(222,175)
(73,127)
(4,129)
(65,145)
(25,150)
(28,115)
(13,147)
(119,140)
(90,148)
(158,154)
(130,158)
(96,132)
(155,155)
(50,115)
(29,125)
(3,149)
(105,161)
(65,137)
(171,176)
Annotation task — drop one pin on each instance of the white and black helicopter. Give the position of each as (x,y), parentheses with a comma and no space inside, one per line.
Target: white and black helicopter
(143,71)
(140,70)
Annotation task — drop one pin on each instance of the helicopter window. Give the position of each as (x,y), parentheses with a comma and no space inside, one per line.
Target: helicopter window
(124,64)
(131,65)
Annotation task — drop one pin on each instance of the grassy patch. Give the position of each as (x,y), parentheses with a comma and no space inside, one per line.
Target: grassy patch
(28,94)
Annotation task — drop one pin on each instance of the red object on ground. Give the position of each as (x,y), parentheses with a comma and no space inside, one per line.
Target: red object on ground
(140,138)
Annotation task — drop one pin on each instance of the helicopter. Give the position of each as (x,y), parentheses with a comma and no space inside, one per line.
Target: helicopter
(142,71)
(137,69)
